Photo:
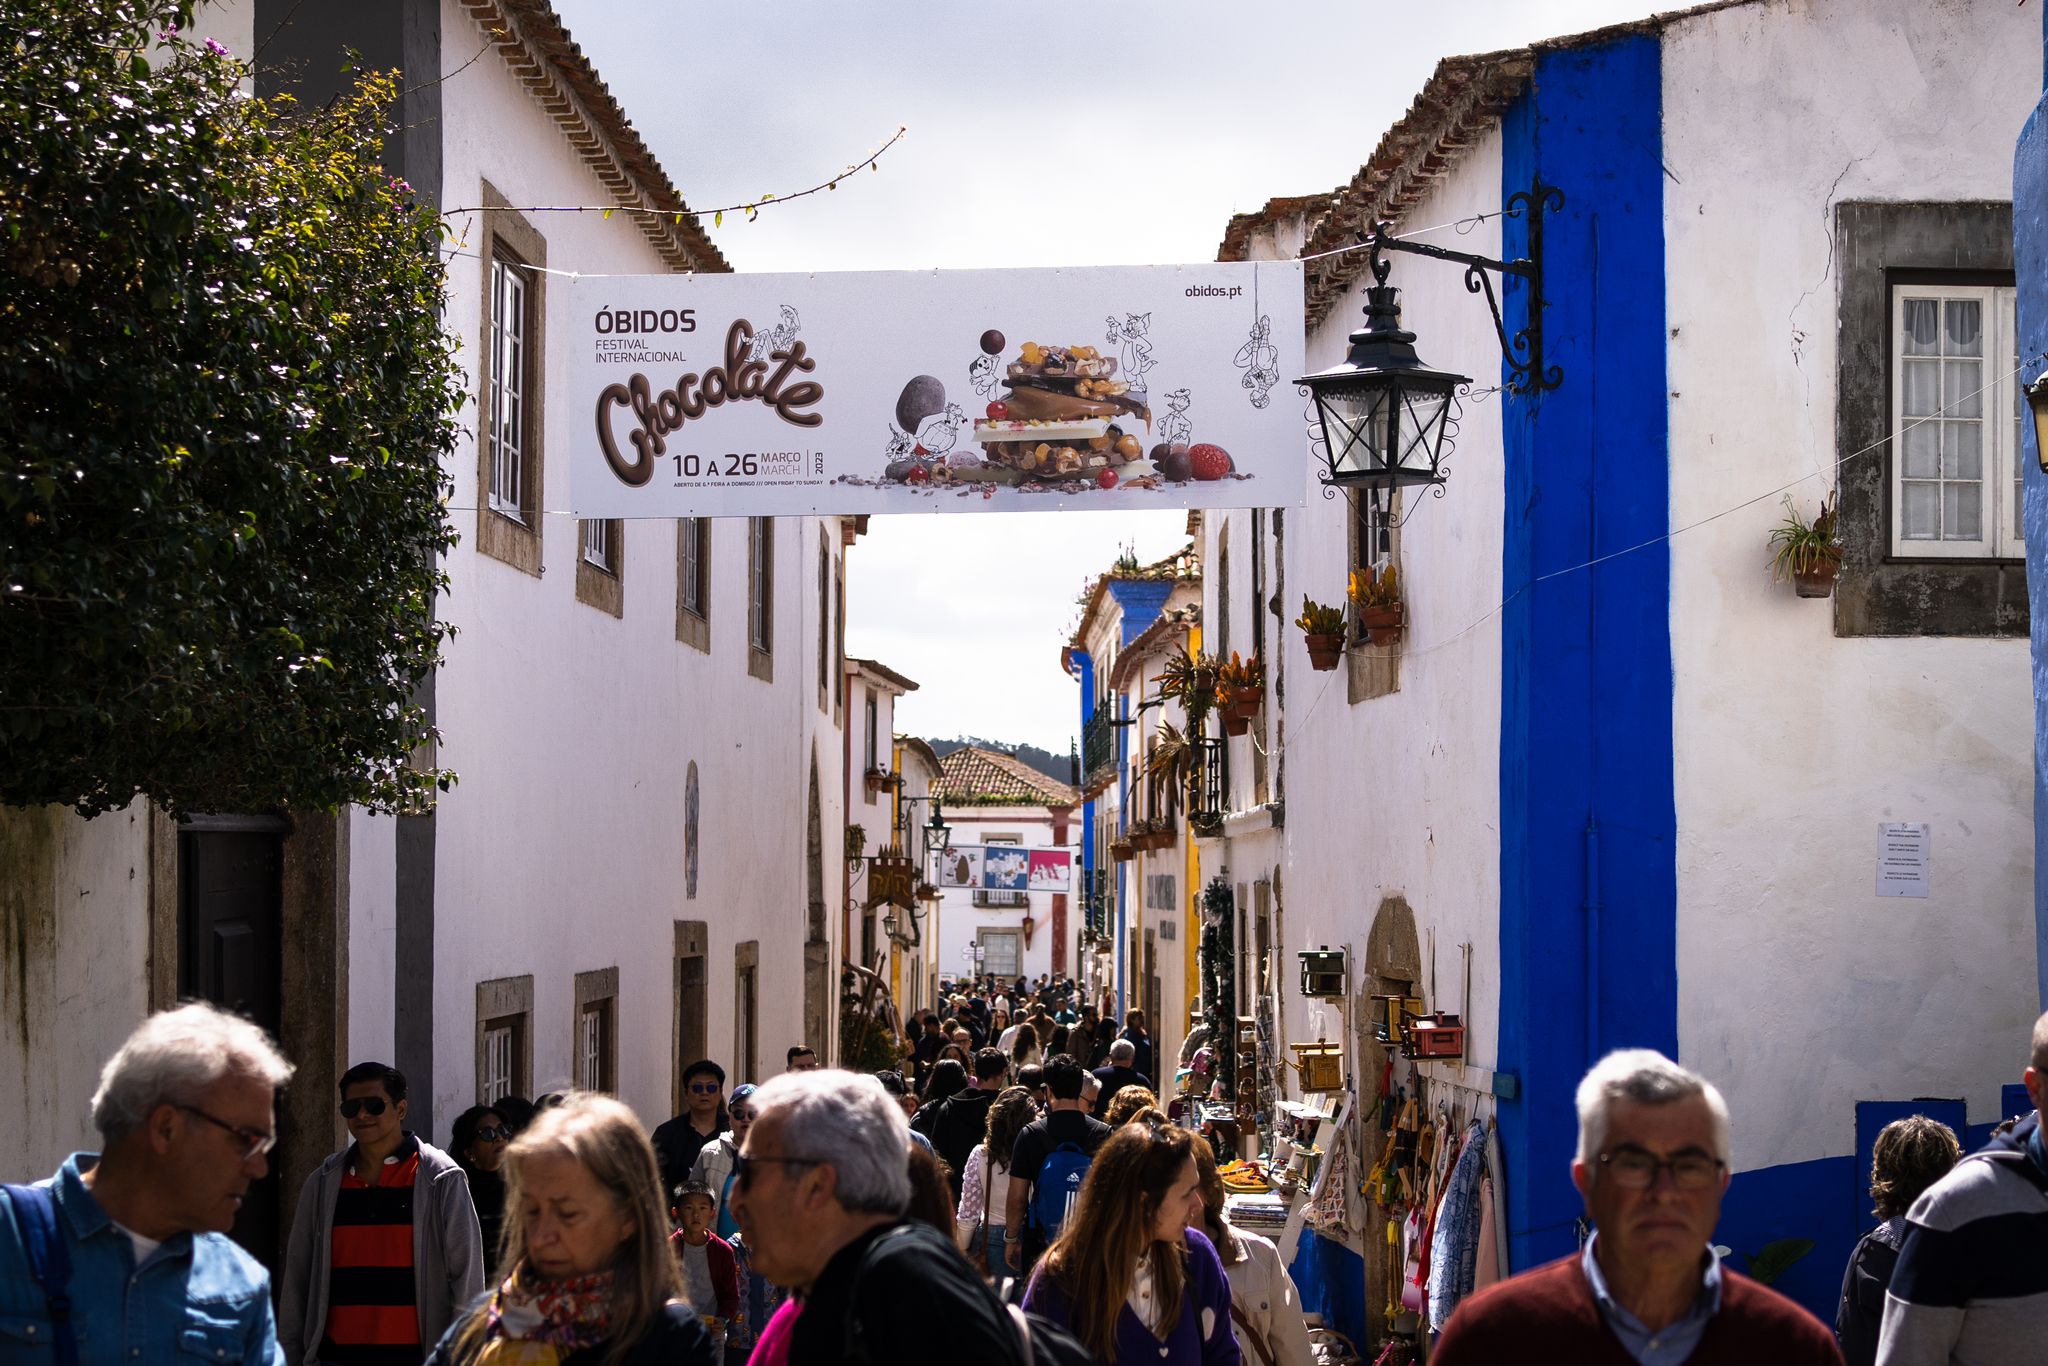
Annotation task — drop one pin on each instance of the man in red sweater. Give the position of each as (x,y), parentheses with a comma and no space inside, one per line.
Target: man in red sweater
(1647,1289)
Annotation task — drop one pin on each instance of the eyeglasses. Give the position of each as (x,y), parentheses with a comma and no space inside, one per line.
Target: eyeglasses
(743,1166)
(1636,1168)
(258,1142)
(351,1108)
(702,1088)
(741,1116)
(487,1134)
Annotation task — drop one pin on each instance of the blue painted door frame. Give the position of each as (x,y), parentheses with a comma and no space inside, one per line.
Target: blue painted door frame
(2030,268)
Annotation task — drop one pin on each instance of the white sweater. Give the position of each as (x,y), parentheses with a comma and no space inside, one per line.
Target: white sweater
(1261,1290)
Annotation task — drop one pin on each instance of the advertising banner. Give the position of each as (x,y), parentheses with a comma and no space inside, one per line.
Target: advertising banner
(1007,868)
(930,391)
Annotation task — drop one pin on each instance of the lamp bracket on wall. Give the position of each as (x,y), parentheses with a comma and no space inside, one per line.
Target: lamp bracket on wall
(1524,351)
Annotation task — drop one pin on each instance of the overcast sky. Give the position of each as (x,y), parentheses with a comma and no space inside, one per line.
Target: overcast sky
(1048,135)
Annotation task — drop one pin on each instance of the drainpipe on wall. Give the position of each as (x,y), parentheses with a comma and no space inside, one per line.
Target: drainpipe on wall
(1189,929)
(1123,807)
(1082,665)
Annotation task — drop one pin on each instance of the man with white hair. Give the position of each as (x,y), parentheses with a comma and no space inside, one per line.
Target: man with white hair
(1972,1279)
(122,1256)
(1118,1074)
(1652,1165)
(820,1189)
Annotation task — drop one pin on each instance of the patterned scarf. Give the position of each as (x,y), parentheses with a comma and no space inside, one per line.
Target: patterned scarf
(532,1321)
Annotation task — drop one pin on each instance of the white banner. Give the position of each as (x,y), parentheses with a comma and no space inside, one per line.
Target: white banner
(935,391)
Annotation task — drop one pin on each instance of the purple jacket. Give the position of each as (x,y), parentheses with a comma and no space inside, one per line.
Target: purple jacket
(1202,1337)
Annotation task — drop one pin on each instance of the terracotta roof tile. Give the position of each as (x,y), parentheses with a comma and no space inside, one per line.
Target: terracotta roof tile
(988,777)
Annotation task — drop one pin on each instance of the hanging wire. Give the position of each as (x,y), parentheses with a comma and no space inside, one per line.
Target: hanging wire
(1463,226)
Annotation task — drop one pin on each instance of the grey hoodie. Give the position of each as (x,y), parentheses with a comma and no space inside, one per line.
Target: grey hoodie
(447,1254)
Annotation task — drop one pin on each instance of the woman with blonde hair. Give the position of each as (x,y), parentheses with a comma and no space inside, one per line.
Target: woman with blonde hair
(1263,1301)
(590,1280)
(1127,1104)
(1127,1276)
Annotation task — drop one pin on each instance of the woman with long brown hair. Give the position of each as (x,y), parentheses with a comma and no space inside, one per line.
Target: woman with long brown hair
(590,1280)
(985,1184)
(1126,1275)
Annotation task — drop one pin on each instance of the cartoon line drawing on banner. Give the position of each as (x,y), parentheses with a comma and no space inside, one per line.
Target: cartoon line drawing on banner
(1135,332)
(982,369)
(776,339)
(1260,361)
(1176,428)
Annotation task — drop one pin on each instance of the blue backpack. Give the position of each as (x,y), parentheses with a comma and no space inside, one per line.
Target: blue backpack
(1058,1186)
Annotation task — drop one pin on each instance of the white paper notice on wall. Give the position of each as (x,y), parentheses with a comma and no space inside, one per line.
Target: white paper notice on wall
(1902,853)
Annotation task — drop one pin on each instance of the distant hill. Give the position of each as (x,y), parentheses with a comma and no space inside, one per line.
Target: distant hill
(1058,767)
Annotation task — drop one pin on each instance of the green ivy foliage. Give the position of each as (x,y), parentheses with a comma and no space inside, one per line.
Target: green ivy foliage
(225,396)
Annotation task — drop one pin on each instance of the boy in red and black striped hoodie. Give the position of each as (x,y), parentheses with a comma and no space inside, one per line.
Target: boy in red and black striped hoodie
(385,1249)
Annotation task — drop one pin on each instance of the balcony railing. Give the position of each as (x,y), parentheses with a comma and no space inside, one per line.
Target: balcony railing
(1098,752)
(1209,797)
(992,900)
(1095,892)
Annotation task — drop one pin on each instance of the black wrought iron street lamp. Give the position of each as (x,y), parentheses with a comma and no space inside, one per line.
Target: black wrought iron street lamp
(936,831)
(1386,418)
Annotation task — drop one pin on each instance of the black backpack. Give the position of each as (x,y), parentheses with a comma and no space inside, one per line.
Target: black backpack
(1040,1341)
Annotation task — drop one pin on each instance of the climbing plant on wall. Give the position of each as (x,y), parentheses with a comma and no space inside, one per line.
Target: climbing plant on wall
(1219,979)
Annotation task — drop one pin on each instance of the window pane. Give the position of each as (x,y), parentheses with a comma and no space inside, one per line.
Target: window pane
(1920,327)
(1922,446)
(1922,509)
(1965,327)
(1963,392)
(1920,394)
(1962,512)
(1962,455)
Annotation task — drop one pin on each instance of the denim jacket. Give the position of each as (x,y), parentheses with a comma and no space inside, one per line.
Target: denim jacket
(198,1297)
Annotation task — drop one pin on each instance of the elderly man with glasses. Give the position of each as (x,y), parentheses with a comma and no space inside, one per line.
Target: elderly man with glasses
(820,1191)
(385,1249)
(123,1255)
(1652,1166)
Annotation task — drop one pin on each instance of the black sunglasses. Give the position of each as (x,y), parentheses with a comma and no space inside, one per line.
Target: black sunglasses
(704,1088)
(487,1134)
(351,1108)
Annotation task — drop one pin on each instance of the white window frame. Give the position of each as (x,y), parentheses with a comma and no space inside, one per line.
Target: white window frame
(511,319)
(1999,514)
(500,1062)
(597,544)
(596,1031)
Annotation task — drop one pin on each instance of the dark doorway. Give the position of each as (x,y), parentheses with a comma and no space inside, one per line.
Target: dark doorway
(230,932)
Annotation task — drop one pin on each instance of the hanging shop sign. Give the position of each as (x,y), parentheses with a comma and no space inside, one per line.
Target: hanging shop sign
(935,391)
(1006,868)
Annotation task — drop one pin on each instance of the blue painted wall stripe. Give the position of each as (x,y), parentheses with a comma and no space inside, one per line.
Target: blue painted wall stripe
(1586,682)
(2030,269)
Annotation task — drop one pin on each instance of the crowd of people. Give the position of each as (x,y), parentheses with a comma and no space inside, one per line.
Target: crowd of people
(1000,1204)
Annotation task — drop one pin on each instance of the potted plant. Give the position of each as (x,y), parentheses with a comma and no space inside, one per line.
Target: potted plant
(1808,553)
(1241,690)
(1376,594)
(1323,629)
(1189,679)
(1123,851)
(856,844)
(1206,823)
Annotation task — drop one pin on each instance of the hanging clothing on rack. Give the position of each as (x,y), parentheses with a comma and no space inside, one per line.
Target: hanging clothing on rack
(1454,1246)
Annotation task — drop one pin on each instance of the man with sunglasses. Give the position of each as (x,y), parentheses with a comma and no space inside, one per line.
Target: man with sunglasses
(678,1141)
(184,1112)
(1652,1166)
(385,1248)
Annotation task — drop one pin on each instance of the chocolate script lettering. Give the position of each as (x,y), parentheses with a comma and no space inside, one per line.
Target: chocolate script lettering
(658,415)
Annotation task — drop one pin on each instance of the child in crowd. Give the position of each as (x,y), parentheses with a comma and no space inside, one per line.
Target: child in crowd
(710,1274)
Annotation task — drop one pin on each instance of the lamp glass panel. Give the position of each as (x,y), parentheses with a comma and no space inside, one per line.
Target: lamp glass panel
(1427,409)
(1358,423)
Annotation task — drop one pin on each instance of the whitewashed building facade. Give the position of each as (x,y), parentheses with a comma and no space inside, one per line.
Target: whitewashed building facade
(1613,785)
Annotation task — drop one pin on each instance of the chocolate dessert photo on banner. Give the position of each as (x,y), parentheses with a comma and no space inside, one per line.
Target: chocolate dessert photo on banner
(937,391)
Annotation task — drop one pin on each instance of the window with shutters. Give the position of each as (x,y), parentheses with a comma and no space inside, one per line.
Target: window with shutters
(693,582)
(761,598)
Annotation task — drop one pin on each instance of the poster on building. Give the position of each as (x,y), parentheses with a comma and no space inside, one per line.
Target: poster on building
(960,866)
(1113,387)
(1902,858)
(1052,870)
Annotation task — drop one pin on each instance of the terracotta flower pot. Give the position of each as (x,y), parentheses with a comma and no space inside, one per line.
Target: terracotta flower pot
(1122,851)
(1817,582)
(1204,681)
(1323,651)
(1236,722)
(1381,623)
